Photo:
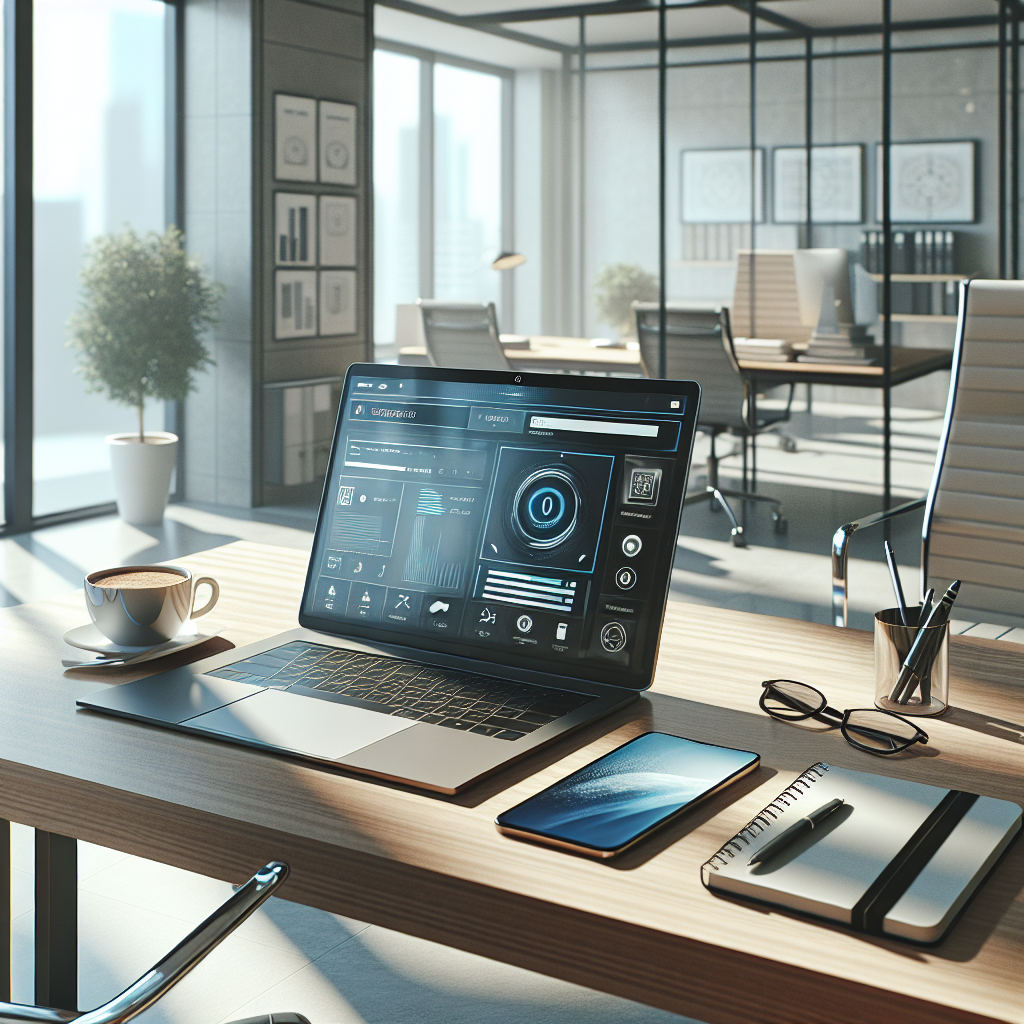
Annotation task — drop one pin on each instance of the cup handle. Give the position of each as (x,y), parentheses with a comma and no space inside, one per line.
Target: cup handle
(214,586)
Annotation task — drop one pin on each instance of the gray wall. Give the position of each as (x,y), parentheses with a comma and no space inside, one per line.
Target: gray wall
(238,54)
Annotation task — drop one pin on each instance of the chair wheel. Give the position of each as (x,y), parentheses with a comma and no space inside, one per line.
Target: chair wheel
(738,540)
(781,525)
(786,443)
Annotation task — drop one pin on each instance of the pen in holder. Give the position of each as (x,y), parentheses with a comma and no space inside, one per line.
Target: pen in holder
(927,691)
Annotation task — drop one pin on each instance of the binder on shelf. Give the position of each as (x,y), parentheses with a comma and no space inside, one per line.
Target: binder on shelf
(900,859)
(919,252)
(947,253)
(900,264)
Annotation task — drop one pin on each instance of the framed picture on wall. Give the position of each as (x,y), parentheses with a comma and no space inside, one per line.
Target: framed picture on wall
(837,184)
(337,302)
(716,186)
(337,143)
(294,304)
(294,138)
(337,231)
(930,182)
(295,229)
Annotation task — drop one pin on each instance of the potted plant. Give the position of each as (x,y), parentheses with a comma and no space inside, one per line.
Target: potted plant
(145,305)
(616,288)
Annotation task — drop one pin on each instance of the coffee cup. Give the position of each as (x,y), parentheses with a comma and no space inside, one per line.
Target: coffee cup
(145,605)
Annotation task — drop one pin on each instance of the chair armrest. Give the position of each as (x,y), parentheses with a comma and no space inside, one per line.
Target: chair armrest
(173,967)
(841,550)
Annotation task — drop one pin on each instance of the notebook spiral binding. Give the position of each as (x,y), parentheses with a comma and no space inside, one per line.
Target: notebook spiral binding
(764,819)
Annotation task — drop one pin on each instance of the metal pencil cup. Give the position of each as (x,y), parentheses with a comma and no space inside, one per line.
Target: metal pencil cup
(927,695)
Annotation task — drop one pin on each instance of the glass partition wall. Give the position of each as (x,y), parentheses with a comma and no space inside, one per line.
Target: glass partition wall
(673,152)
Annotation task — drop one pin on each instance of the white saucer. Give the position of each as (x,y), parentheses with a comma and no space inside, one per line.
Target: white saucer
(89,638)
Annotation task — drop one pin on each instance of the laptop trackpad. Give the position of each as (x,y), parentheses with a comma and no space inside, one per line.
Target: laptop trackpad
(293,722)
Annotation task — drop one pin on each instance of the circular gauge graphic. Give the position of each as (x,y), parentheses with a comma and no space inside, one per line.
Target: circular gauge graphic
(295,151)
(546,508)
(336,155)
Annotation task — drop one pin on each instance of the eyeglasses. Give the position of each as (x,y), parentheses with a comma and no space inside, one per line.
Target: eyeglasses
(877,732)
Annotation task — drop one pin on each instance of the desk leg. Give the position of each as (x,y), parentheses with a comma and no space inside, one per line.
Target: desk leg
(56,921)
(5,911)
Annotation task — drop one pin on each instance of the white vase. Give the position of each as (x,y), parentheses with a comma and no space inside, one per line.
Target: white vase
(142,475)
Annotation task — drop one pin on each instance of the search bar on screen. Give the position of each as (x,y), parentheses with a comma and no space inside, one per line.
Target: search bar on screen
(594,426)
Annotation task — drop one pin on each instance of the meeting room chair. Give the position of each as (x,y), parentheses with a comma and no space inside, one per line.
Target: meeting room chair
(973,526)
(698,346)
(174,966)
(776,302)
(462,335)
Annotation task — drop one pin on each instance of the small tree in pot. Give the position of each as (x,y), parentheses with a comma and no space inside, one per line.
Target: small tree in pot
(616,288)
(145,305)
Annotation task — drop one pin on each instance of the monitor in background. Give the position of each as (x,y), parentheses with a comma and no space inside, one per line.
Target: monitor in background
(821,273)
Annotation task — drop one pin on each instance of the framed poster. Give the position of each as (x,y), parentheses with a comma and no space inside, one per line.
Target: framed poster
(337,302)
(294,304)
(930,182)
(294,138)
(337,143)
(716,186)
(837,184)
(337,231)
(295,235)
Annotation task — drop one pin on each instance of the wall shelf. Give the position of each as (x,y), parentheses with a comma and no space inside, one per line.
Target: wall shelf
(923,278)
(921,318)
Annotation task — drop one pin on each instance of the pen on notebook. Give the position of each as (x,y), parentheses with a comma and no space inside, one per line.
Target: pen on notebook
(794,832)
(921,651)
(897,586)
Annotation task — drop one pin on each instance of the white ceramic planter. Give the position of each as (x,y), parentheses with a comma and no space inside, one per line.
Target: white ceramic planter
(142,475)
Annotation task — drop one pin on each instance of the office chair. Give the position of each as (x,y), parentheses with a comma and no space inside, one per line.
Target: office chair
(172,968)
(973,526)
(698,346)
(462,334)
(776,302)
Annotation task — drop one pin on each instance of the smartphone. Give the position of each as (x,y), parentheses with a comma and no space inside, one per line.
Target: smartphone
(624,796)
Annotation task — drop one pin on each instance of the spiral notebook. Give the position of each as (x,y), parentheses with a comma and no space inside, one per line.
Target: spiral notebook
(899,858)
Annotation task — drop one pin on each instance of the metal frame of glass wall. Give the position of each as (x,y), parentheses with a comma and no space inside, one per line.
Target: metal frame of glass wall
(18,377)
(770,26)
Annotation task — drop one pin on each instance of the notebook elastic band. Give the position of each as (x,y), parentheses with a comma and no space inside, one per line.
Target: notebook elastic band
(897,877)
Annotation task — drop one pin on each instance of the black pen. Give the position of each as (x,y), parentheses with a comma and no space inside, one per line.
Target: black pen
(794,832)
(897,586)
(922,648)
(926,607)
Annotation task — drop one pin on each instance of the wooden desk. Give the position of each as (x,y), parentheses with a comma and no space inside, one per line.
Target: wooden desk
(641,927)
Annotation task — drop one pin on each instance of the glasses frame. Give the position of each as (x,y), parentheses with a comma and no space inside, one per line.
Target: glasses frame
(832,717)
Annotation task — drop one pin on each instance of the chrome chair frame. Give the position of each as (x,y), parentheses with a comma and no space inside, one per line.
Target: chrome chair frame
(172,968)
(842,537)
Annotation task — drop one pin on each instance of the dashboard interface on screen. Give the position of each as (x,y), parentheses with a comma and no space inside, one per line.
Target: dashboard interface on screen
(505,522)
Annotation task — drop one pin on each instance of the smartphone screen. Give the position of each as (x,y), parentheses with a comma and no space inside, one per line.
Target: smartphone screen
(619,798)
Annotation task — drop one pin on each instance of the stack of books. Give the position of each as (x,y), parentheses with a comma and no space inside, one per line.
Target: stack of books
(852,344)
(918,252)
(763,350)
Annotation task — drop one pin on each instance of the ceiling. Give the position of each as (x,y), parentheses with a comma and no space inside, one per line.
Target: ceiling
(511,45)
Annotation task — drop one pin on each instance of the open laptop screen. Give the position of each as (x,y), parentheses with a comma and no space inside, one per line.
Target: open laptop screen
(521,519)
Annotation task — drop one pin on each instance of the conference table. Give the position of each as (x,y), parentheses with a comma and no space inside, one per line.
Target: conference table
(640,926)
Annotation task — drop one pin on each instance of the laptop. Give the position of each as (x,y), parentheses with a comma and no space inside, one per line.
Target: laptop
(489,571)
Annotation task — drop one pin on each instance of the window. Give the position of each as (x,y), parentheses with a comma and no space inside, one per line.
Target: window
(100,145)
(439,219)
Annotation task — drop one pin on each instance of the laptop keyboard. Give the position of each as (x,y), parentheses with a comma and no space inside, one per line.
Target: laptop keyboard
(500,708)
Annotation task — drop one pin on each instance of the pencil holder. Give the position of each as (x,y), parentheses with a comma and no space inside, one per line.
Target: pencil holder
(927,693)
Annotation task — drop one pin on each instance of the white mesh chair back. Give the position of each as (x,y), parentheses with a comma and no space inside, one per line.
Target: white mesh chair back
(776,302)
(697,347)
(974,519)
(463,335)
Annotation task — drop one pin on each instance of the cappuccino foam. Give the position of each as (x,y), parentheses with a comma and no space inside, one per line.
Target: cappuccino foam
(144,580)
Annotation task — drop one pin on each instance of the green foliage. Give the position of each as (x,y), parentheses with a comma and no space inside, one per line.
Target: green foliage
(145,305)
(615,290)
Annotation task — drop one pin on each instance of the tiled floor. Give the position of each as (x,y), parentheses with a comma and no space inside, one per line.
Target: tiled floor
(335,970)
